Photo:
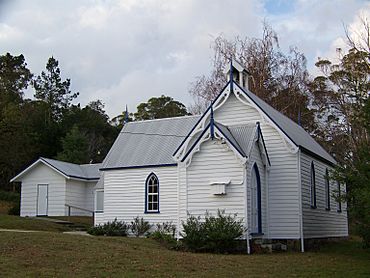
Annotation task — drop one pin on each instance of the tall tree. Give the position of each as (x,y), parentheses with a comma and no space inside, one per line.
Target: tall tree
(160,107)
(50,88)
(93,123)
(341,92)
(278,78)
(14,78)
(75,147)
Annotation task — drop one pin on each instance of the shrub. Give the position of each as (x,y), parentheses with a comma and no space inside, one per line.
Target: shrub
(214,234)
(114,228)
(166,228)
(165,234)
(10,196)
(15,209)
(139,226)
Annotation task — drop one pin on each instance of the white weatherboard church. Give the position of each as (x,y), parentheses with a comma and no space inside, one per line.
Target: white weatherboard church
(241,156)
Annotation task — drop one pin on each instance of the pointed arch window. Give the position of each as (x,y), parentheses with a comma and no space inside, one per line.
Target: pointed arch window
(152,194)
(327,189)
(313,186)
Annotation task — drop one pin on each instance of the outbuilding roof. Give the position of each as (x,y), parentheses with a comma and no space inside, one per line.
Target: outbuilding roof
(88,172)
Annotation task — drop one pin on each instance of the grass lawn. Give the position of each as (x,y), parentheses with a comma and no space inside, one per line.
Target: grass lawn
(26,223)
(61,255)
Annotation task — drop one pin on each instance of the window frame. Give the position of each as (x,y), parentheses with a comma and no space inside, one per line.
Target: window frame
(327,190)
(339,203)
(96,200)
(147,194)
(313,186)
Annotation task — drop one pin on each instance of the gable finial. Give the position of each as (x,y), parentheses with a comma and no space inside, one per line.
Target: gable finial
(126,116)
(231,75)
(299,116)
(212,123)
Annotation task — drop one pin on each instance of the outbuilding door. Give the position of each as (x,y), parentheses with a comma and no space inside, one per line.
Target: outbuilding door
(42,199)
(256,216)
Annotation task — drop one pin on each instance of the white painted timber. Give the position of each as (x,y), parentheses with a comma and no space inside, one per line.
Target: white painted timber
(319,222)
(79,194)
(215,161)
(124,195)
(42,174)
(283,175)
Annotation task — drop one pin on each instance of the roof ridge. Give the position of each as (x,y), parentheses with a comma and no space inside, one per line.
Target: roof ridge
(162,119)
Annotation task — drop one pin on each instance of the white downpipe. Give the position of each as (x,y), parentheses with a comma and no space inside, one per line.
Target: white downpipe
(178,201)
(300,201)
(267,199)
(246,210)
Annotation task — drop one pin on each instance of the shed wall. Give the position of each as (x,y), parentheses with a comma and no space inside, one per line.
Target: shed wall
(42,174)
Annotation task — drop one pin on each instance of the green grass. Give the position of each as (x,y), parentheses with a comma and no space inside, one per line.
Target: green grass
(26,223)
(85,221)
(60,255)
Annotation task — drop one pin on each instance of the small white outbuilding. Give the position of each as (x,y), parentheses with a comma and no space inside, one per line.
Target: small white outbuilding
(55,188)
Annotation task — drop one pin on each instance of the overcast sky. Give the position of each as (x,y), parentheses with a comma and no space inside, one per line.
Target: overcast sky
(124,52)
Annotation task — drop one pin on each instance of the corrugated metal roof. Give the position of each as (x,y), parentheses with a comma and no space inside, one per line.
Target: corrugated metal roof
(230,136)
(149,142)
(295,132)
(244,134)
(84,171)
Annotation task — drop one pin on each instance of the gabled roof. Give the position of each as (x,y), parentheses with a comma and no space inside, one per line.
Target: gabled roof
(148,143)
(292,130)
(240,137)
(88,172)
(295,132)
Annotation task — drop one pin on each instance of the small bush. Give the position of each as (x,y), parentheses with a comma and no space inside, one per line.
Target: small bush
(165,234)
(166,228)
(114,228)
(214,234)
(15,209)
(10,196)
(140,227)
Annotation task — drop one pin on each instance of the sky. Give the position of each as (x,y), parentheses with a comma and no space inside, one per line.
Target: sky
(124,52)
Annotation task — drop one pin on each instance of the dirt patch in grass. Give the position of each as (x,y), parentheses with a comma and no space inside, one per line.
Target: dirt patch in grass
(60,255)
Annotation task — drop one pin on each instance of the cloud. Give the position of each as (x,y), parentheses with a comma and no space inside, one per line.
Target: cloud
(124,52)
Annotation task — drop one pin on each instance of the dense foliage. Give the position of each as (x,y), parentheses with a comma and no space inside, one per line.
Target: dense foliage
(140,227)
(50,125)
(214,234)
(113,228)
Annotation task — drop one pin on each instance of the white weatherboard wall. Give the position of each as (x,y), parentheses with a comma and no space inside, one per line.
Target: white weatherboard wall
(80,194)
(283,176)
(319,222)
(215,162)
(42,174)
(124,195)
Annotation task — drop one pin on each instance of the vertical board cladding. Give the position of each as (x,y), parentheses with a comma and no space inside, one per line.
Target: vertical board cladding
(256,158)
(42,174)
(124,195)
(214,163)
(283,176)
(98,216)
(79,194)
(319,222)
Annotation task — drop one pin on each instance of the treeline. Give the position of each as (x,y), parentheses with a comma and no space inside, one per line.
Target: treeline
(50,125)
